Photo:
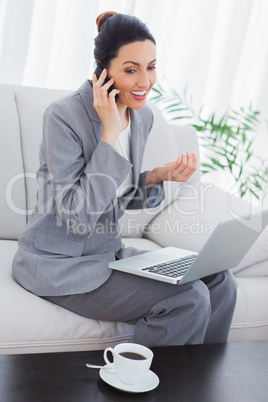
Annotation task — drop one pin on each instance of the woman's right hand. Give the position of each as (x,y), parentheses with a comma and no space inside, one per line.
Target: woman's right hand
(106,107)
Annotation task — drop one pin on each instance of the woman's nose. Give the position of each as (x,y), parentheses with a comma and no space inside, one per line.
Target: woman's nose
(144,81)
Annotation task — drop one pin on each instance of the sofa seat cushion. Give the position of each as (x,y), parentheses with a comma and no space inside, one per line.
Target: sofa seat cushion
(32,324)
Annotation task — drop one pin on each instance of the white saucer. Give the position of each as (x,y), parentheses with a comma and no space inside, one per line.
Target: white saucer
(149,382)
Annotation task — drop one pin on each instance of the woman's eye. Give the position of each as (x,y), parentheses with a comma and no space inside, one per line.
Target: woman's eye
(132,70)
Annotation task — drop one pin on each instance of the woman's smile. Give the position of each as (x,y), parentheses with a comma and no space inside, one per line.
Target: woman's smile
(139,95)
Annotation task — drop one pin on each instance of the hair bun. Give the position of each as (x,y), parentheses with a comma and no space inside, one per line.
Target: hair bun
(103,17)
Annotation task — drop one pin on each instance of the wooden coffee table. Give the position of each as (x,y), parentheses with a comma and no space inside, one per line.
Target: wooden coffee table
(207,373)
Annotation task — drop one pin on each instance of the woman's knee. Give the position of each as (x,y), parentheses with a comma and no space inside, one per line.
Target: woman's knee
(200,296)
(222,282)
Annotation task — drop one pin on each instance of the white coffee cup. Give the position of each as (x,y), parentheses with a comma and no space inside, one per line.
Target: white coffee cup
(131,361)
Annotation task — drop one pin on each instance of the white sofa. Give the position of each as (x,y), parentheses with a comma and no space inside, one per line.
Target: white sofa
(185,219)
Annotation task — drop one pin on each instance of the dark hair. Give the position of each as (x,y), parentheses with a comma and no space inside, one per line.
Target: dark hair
(116,30)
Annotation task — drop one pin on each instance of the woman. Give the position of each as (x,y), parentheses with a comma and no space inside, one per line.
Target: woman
(90,161)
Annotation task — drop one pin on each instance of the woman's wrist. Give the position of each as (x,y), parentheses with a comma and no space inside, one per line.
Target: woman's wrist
(152,178)
(110,138)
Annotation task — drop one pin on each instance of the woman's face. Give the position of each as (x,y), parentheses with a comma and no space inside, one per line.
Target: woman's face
(134,73)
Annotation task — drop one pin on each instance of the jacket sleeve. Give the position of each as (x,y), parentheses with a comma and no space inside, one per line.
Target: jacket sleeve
(145,197)
(82,190)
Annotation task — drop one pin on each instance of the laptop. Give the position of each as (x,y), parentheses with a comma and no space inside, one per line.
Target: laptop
(224,249)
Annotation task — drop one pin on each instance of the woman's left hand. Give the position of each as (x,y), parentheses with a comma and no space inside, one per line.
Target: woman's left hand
(179,170)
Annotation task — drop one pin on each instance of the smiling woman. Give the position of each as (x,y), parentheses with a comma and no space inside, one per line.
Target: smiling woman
(90,173)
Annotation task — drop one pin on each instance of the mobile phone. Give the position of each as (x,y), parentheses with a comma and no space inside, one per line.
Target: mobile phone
(98,71)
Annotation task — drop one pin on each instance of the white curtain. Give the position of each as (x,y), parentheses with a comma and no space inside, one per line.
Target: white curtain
(217,49)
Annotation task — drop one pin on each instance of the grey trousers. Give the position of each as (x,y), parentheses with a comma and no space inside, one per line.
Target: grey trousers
(163,314)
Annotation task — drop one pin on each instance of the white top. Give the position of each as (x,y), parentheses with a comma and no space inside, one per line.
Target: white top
(123,148)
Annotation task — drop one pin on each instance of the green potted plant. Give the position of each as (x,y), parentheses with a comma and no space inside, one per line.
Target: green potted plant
(226,141)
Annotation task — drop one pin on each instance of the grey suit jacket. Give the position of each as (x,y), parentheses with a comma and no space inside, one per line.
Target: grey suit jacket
(73,231)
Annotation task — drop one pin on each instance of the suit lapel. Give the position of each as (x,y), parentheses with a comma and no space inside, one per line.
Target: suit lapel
(137,144)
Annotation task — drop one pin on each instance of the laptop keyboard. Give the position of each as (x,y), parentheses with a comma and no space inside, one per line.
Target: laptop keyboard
(172,268)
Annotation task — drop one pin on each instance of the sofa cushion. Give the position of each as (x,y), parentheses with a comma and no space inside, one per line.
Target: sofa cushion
(160,149)
(31,105)
(164,144)
(12,180)
(32,324)
(256,270)
(161,146)
(190,219)
(255,262)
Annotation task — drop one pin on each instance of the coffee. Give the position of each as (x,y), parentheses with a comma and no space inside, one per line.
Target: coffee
(131,361)
(132,355)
